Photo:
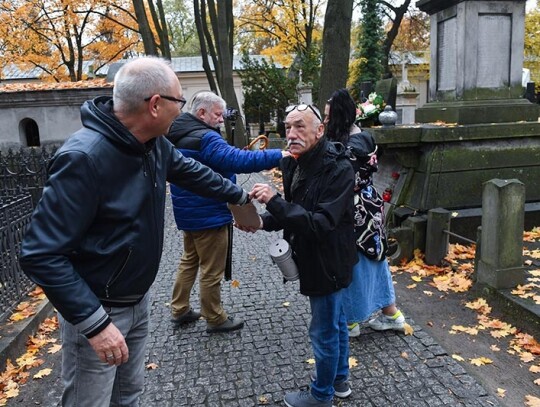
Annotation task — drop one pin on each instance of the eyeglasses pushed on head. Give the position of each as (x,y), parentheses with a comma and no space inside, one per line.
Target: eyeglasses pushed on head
(303,107)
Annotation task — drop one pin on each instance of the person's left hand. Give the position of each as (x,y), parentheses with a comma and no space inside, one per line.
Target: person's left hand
(262,193)
(110,346)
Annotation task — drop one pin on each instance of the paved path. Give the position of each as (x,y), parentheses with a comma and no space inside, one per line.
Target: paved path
(257,365)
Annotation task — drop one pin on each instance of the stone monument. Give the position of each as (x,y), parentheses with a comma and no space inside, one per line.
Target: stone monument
(406,97)
(476,62)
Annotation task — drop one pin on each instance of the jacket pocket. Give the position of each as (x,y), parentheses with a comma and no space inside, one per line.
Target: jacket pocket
(114,277)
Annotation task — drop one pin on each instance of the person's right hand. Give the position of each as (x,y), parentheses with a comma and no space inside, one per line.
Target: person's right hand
(110,346)
(262,193)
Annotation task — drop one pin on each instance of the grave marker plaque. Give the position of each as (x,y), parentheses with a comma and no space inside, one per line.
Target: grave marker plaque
(446,63)
(494,34)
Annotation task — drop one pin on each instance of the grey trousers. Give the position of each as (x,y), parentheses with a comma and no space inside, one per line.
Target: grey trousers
(88,382)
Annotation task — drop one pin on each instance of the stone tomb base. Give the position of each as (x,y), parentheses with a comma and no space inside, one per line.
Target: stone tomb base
(478,111)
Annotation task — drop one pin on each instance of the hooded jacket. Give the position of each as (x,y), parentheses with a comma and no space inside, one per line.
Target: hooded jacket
(96,235)
(196,139)
(316,217)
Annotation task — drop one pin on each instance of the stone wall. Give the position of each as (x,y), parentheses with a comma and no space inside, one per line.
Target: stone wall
(55,114)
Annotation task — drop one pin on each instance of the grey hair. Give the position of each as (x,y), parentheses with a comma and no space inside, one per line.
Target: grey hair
(139,79)
(206,101)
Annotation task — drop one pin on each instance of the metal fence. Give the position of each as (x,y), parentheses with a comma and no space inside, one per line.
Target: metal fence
(25,170)
(22,176)
(15,213)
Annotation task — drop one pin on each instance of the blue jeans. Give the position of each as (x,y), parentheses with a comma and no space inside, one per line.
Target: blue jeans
(330,342)
(88,381)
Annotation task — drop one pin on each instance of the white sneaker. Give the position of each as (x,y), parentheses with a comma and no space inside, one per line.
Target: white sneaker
(384,322)
(354,330)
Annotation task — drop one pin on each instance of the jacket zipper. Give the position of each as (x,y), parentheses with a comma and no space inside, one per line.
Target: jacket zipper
(115,276)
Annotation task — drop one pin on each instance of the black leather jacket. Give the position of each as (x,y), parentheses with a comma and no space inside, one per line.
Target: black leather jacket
(96,236)
(317,218)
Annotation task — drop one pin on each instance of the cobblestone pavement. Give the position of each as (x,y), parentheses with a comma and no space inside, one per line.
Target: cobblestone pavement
(268,357)
(257,365)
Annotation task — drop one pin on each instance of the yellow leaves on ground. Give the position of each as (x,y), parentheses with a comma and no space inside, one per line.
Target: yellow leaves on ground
(235,284)
(469,330)
(453,277)
(26,309)
(530,290)
(501,392)
(352,362)
(54,349)
(532,235)
(407,329)
(456,282)
(37,293)
(479,305)
(42,373)
(480,361)
(531,401)
(526,342)
(16,374)
(262,400)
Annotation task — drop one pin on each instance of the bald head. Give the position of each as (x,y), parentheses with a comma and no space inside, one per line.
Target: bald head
(139,79)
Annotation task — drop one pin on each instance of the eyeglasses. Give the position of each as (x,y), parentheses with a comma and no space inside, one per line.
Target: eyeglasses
(303,107)
(181,102)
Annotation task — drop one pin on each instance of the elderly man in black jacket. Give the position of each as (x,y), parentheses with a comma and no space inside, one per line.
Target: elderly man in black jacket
(96,237)
(316,217)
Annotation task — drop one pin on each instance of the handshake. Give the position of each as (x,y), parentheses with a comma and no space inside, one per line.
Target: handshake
(245,215)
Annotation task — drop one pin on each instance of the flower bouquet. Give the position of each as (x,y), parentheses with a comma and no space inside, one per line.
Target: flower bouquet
(367,112)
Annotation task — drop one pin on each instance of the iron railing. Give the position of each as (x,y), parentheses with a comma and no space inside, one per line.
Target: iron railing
(22,176)
(15,214)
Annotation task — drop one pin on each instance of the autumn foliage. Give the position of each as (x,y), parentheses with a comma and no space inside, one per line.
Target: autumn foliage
(59,36)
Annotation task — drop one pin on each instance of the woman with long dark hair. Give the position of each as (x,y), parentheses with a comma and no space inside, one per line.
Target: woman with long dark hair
(371,289)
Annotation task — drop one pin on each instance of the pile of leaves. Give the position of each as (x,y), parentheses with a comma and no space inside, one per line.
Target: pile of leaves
(18,373)
(456,276)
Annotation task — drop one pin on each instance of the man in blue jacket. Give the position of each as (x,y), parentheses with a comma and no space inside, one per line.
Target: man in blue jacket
(95,240)
(206,222)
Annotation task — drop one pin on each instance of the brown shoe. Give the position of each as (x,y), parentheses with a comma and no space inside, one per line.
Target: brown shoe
(230,324)
(188,316)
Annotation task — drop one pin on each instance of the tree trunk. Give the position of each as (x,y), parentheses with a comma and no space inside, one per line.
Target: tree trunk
(150,47)
(336,48)
(199,11)
(161,28)
(392,33)
(224,28)
(217,41)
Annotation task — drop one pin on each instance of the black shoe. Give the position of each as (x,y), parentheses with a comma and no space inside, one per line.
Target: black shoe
(188,316)
(230,324)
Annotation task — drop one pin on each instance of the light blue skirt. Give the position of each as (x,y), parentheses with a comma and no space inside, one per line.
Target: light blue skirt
(371,289)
